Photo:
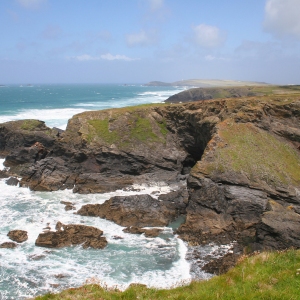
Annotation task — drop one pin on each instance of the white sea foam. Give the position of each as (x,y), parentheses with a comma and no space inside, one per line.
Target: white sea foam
(2,167)
(52,117)
(29,270)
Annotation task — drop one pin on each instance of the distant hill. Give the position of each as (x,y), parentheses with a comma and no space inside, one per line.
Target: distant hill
(195,94)
(206,83)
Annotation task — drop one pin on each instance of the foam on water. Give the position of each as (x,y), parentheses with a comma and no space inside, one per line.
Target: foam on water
(29,270)
(52,117)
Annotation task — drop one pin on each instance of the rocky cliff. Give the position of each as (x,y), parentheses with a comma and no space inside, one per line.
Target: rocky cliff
(240,156)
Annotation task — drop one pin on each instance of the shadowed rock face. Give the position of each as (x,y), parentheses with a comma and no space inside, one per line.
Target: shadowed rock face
(240,155)
(67,235)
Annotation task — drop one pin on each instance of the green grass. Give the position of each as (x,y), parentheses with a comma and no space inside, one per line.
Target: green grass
(269,275)
(101,128)
(256,153)
(124,127)
(31,125)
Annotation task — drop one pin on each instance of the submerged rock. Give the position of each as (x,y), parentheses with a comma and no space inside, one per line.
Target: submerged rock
(18,236)
(67,235)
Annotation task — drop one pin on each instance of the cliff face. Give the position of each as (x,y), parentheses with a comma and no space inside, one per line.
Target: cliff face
(241,156)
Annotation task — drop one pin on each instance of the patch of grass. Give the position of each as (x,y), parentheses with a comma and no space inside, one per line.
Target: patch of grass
(256,153)
(142,131)
(101,129)
(269,275)
(126,127)
(31,125)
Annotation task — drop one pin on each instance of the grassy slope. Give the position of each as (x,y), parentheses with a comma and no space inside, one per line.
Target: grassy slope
(244,148)
(265,276)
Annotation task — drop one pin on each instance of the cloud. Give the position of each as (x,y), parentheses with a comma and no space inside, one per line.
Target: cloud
(107,56)
(212,57)
(156,5)
(282,18)
(31,4)
(52,32)
(208,36)
(141,38)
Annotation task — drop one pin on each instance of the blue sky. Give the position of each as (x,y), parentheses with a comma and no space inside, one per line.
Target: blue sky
(136,41)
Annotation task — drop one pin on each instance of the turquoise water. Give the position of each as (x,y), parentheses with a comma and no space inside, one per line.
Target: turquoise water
(55,104)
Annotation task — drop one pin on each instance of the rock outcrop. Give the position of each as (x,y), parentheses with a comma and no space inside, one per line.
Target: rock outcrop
(241,157)
(136,210)
(73,234)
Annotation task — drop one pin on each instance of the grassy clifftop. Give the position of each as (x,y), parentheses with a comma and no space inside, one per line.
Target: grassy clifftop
(265,276)
(123,127)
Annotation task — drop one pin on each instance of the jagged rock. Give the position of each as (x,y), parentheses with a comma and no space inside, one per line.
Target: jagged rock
(279,227)
(221,265)
(9,245)
(137,210)
(12,181)
(153,232)
(67,235)
(18,236)
(221,212)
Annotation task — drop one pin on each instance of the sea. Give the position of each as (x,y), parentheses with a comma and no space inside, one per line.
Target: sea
(28,270)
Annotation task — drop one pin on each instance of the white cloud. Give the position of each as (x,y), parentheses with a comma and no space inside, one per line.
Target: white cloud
(156,4)
(282,18)
(52,32)
(212,57)
(107,56)
(208,36)
(141,38)
(31,4)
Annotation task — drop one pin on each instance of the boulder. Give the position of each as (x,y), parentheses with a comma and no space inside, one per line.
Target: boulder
(73,234)
(18,236)
(8,245)
(12,181)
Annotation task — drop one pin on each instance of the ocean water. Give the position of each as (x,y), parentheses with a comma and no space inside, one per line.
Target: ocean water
(28,270)
(55,104)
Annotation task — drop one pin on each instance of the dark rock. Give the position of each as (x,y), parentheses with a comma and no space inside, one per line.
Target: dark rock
(153,232)
(12,181)
(279,228)
(3,174)
(67,235)
(222,213)
(18,236)
(133,230)
(117,237)
(9,245)
(137,210)
(221,265)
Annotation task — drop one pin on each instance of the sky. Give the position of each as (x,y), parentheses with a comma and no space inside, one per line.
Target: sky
(137,41)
